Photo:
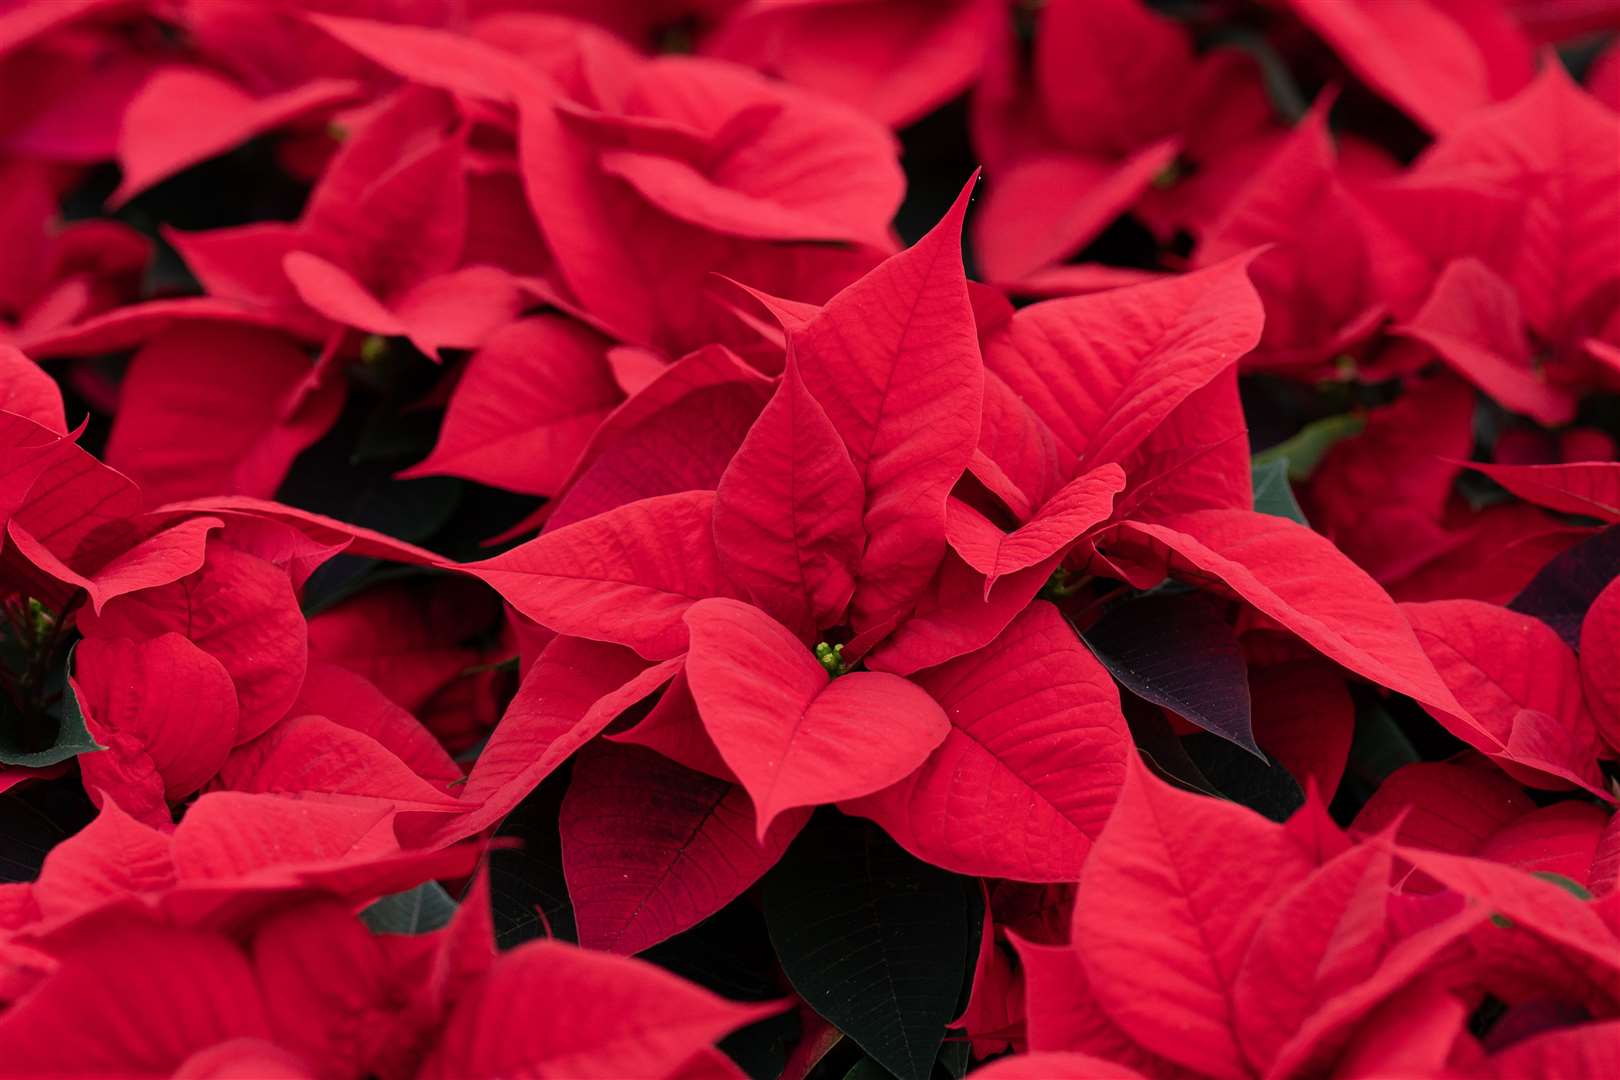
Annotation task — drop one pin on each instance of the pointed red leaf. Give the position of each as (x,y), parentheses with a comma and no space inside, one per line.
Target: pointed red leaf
(625,576)
(793,737)
(1049,1065)
(212,409)
(650,848)
(1062,1014)
(1030,769)
(1560,149)
(1325,934)
(1589,488)
(787,514)
(112,857)
(185,115)
(527,404)
(1519,682)
(1591,1049)
(894,360)
(550,1009)
(1301,580)
(1443,806)
(1471,319)
(313,757)
(1412,52)
(573,691)
(26,390)
(1104,370)
(1076,507)
(131,997)
(1169,900)
(160,559)
(350,699)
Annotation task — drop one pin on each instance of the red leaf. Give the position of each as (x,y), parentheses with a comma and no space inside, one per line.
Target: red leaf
(573,690)
(1519,682)
(1301,580)
(793,736)
(1063,1014)
(406,640)
(650,848)
(1471,319)
(894,360)
(325,980)
(192,423)
(1600,661)
(1591,1049)
(1072,511)
(1169,900)
(1032,763)
(1014,243)
(957,616)
(527,404)
(1559,149)
(163,699)
(26,390)
(787,514)
(1320,937)
(550,1009)
(238,609)
(185,115)
(160,559)
(313,757)
(1104,370)
(1447,807)
(1314,751)
(625,576)
(132,998)
(1560,839)
(349,699)
(1589,488)
(109,859)
(1412,52)
(233,834)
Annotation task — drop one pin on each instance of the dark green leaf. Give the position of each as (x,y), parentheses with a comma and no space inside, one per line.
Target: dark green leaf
(34,818)
(414,911)
(867,1069)
(1177,650)
(527,880)
(71,737)
(1272,493)
(1562,591)
(1264,787)
(873,939)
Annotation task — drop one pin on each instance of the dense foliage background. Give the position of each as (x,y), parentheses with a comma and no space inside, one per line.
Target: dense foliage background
(1067,538)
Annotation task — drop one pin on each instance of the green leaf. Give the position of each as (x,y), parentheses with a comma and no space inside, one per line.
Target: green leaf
(867,1069)
(1263,786)
(72,737)
(874,940)
(1272,493)
(527,891)
(1308,446)
(34,818)
(415,911)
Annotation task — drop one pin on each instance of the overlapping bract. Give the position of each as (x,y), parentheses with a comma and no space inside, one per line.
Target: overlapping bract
(745,514)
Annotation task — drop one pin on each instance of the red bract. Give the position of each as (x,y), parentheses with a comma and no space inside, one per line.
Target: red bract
(477,476)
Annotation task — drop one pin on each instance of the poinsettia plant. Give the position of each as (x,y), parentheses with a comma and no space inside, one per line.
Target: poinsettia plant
(810,541)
